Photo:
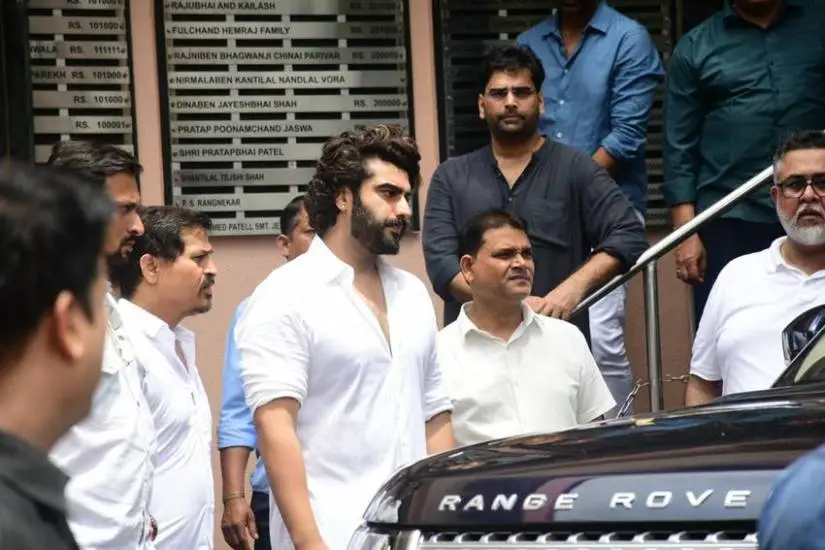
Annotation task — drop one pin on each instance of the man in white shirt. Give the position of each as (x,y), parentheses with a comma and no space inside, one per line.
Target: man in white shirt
(738,345)
(109,456)
(169,276)
(247,522)
(511,371)
(337,349)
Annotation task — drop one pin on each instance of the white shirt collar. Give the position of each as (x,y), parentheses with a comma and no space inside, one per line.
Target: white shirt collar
(466,325)
(776,260)
(333,267)
(153,326)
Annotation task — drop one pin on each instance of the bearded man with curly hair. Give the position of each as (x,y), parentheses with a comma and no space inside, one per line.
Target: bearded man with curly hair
(337,348)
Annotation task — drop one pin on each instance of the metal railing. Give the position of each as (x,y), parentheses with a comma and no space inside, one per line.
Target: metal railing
(647,262)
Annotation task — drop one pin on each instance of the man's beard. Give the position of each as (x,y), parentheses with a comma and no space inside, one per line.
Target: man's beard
(808,235)
(528,129)
(372,233)
(118,265)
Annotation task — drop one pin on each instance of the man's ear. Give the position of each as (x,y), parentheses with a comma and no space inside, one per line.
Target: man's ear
(774,193)
(344,200)
(466,266)
(282,243)
(480,102)
(149,268)
(67,321)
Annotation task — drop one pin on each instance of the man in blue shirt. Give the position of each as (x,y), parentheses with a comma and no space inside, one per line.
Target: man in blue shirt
(601,72)
(793,516)
(243,521)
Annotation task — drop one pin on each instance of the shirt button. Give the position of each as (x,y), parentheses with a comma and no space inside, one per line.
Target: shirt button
(561,102)
(566,71)
(558,135)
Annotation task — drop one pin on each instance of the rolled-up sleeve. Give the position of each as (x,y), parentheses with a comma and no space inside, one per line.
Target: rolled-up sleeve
(683,115)
(436,394)
(440,236)
(638,73)
(235,427)
(273,346)
(611,223)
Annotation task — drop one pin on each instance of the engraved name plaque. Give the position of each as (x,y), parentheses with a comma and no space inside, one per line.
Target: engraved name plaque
(80,70)
(254,89)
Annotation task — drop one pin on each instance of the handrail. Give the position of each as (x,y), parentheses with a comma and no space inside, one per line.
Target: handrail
(647,262)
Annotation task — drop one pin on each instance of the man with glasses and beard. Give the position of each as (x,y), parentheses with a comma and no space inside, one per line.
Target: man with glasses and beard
(337,348)
(582,228)
(109,456)
(168,277)
(738,346)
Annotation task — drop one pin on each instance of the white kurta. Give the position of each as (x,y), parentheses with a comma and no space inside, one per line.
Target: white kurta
(183,501)
(306,334)
(109,455)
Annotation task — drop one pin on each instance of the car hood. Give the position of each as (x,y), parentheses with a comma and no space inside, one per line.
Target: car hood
(712,463)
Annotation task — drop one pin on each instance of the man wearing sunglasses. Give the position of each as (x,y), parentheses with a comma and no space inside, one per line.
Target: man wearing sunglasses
(582,228)
(738,346)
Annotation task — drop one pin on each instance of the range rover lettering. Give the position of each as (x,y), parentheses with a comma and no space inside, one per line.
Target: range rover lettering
(694,478)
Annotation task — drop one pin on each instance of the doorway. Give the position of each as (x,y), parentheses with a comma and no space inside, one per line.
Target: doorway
(16,135)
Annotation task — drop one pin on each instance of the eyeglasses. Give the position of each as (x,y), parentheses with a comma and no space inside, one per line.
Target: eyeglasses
(794,187)
(519,92)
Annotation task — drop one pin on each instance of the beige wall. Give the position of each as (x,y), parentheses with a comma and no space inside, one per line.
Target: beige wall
(244,261)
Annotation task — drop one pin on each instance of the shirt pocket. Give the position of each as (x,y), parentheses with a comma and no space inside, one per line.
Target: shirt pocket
(548,224)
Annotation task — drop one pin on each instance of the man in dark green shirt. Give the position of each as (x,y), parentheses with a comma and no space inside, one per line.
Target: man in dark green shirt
(737,83)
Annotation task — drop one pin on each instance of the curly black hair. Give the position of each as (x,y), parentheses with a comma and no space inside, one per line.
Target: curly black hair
(342,166)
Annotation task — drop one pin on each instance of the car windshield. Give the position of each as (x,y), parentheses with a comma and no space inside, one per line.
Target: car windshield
(803,342)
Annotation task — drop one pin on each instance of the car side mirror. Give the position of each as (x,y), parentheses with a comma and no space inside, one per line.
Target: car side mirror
(803,344)
(800,332)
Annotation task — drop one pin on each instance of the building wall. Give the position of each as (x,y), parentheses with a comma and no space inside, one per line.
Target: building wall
(244,261)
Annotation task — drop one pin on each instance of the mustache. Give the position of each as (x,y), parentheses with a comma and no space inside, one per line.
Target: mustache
(395,224)
(208,283)
(520,273)
(812,208)
(511,112)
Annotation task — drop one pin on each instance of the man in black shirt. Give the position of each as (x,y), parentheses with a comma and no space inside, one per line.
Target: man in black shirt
(582,228)
(52,326)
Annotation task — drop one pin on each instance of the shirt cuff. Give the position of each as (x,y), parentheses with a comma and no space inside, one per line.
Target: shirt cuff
(679,191)
(236,438)
(437,407)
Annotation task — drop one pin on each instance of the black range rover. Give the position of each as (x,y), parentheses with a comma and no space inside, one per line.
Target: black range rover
(691,479)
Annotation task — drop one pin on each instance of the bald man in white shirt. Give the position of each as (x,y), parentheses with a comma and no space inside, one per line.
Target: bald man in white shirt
(337,349)
(511,371)
(169,276)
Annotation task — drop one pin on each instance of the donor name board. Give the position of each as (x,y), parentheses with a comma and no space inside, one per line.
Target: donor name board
(256,88)
(81,76)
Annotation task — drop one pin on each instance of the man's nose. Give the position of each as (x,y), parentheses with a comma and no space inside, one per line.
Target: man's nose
(809,195)
(403,209)
(135,225)
(211,268)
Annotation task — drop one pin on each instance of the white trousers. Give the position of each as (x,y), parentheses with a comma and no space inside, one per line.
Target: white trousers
(607,318)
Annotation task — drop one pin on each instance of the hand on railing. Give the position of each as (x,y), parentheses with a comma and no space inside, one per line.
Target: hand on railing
(643,384)
(690,260)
